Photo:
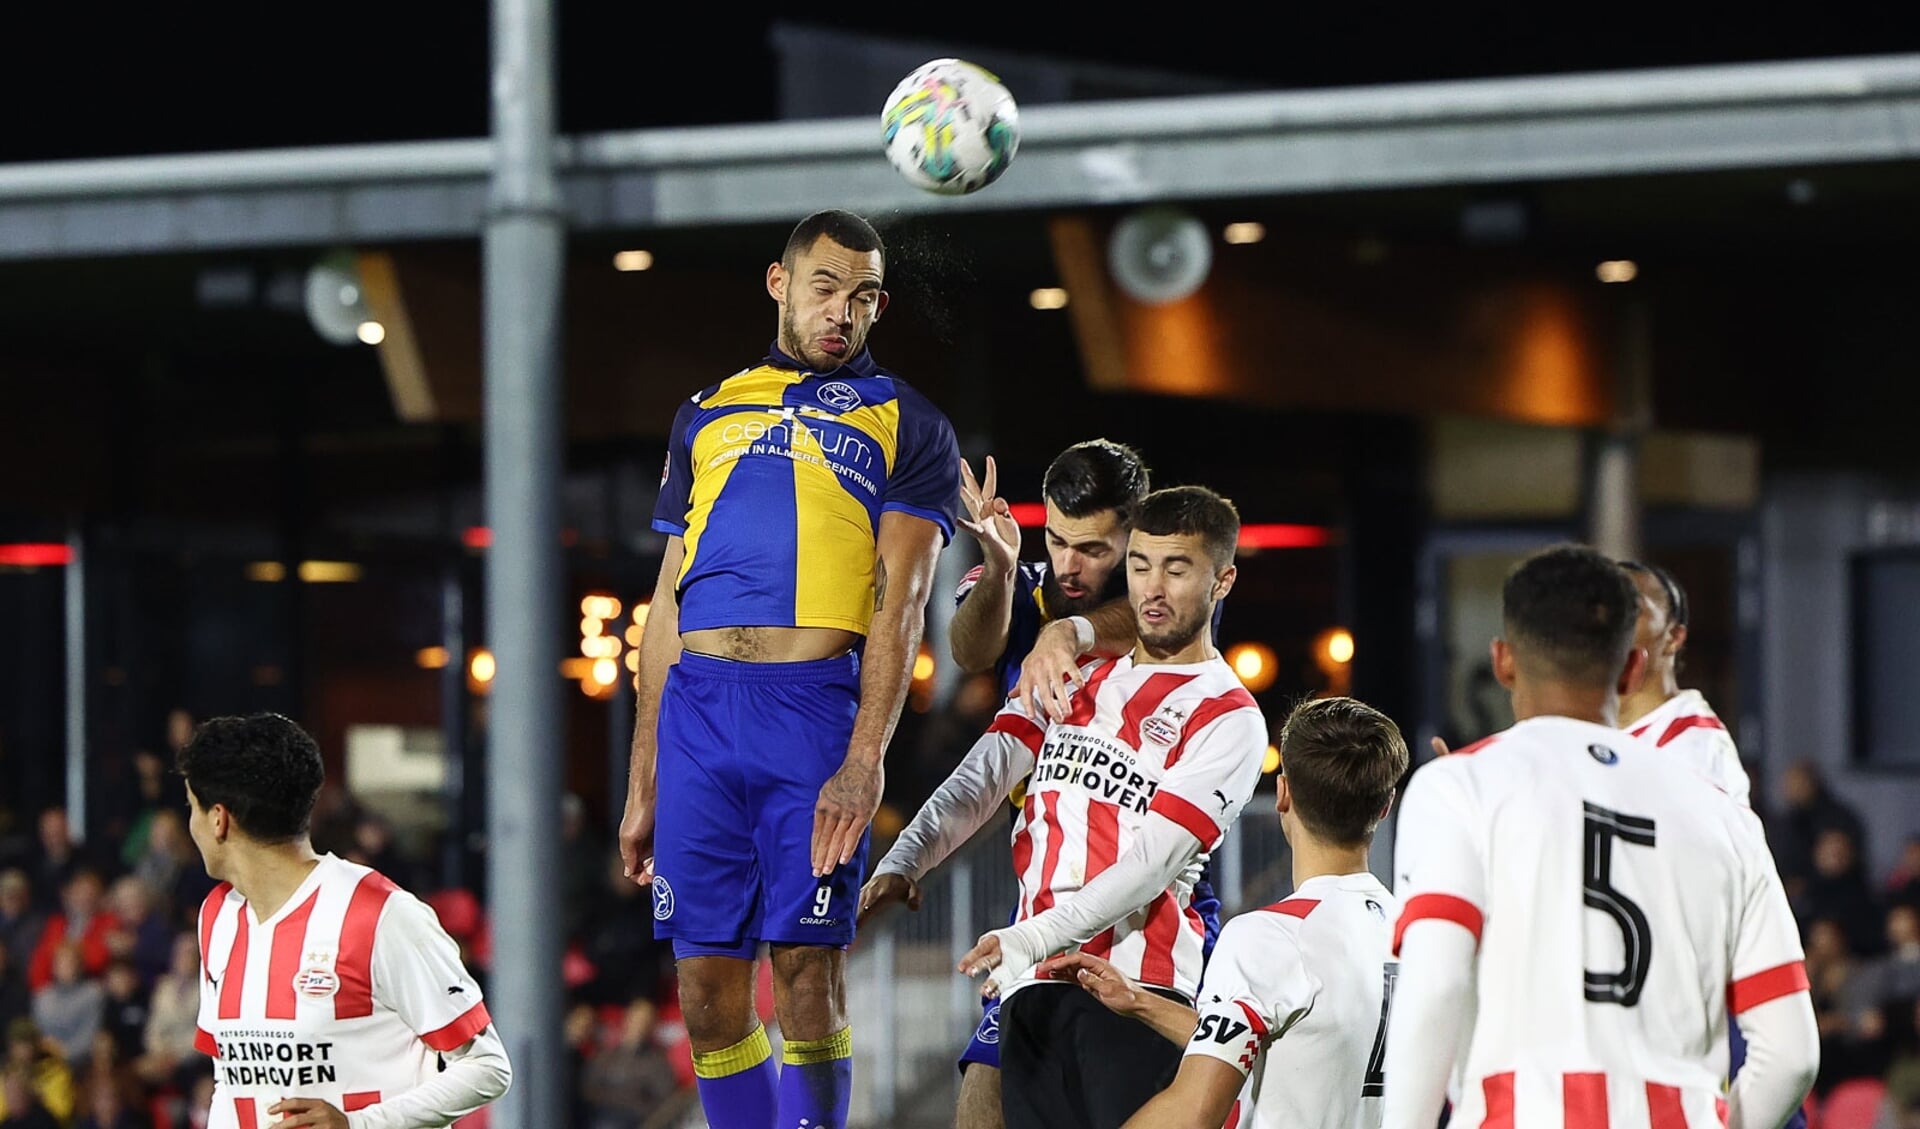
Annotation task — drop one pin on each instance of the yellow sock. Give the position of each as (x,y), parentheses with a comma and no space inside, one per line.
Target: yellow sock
(743,1055)
(805,1052)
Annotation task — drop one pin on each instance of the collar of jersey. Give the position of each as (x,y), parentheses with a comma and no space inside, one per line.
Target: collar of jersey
(860,364)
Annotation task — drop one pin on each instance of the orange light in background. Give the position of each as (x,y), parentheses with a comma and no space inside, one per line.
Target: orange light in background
(633,662)
(1333,653)
(431,658)
(605,671)
(1340,645)
(1255,664)
(1552,372)
(634,635)
(480,667)
(1271,762)
(592,626)
(640,614)
(923,665)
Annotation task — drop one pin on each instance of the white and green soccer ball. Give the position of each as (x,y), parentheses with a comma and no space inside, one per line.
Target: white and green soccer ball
(950,127)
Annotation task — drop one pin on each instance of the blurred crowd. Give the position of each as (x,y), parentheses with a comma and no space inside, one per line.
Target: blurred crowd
(100,978)
(100,990)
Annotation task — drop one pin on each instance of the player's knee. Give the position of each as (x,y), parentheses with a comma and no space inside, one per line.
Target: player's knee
(810,988)
(716,1002)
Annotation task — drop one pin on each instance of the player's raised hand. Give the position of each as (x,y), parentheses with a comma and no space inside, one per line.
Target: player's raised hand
(840,816)
(1050,674)
(883,890)
(991,521)
(1112,987)
(306,1113)
(636,840)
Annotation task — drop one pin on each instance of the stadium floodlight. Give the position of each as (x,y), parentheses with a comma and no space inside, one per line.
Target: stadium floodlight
(1160,254)
(336,301)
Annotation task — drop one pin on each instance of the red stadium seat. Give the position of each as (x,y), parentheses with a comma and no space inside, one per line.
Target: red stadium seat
(1810,1109)
(1853,1104)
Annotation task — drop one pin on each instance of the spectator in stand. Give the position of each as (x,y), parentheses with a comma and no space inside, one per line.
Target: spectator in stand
(20,1107)
(82,920)
(620,943)
(1839,892)
(108,1108)
(1903,884)
(156,790)
(144,938)
(1808,809)
(373,846)
(171,870)
(15,999)
(47,1077)
(583,862)
(127,1009)
(1902,1109)
(54,858)
(20,923)
(173,1021)
(627,1083)
(68,1011)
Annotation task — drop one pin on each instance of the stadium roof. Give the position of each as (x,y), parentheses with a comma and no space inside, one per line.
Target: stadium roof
(1489,131)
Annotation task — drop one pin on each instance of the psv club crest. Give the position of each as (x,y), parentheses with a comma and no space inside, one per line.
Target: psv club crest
(1159,730)
(316,979)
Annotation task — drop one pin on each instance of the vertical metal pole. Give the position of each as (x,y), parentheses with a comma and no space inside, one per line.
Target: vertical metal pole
(76,631)
(523,252)
(1231,887)
(1613,468)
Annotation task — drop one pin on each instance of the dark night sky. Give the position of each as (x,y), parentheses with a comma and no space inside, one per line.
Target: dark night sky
(82,82)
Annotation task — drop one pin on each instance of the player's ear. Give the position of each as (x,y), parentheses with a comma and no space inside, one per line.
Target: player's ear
(1676,639)
(1223,583)
(1283,796)
(1503,664)
(777,281)
(1634,673)
(880,301)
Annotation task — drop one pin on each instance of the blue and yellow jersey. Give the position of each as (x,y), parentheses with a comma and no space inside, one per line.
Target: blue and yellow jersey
(776,478)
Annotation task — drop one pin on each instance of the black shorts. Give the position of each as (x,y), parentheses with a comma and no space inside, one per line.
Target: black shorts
(1066,1062)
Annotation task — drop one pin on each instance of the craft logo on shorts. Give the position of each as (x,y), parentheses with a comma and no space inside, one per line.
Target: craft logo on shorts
(989,1032)
(662,899)
(839,395)
(316,979)
(1602,754)
(1159,730)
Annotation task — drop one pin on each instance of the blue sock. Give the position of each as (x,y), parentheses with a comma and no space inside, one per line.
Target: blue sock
(816,1079)
(737,1084)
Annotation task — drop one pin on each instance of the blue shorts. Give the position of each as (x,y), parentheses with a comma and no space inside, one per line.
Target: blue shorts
(984,1047)
(743,751)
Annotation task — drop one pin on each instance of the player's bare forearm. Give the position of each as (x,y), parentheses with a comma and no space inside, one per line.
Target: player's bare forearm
(977,635)
(1170,1019)
(659,649)
(1201,1097)
(908,548)
(1114,629)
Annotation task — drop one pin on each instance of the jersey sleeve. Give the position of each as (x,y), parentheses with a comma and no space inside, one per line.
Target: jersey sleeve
(1728,772)
(1438,855)
(1767,960)
(417,973)
(209,1012)
(1218,769)
(676,480)
(925,478)
(1257,985)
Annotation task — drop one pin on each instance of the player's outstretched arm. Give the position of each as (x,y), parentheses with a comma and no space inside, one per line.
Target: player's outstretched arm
(965,800)
(1050,673)
(1201,1097)
(977,635)
(907,548)
(1117,992)
(659,649)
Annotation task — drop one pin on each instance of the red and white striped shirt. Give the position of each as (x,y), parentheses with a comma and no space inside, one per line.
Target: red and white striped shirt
(347,993)
(1184,742)
(1686,726)
(1620,904)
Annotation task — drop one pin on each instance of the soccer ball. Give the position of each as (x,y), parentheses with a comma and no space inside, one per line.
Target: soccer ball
(950,127)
